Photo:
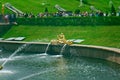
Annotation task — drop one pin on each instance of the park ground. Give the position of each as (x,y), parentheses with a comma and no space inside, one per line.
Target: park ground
(108,36)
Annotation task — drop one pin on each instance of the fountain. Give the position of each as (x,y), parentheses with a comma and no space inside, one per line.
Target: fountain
(63,48)
(18,50)
(58,68)
(84,64)
(61,42)
(47,48)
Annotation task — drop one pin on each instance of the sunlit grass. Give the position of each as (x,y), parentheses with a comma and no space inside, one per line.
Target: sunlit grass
(35,6)
(93,35)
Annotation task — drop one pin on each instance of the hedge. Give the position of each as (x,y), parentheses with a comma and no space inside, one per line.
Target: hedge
(74,21)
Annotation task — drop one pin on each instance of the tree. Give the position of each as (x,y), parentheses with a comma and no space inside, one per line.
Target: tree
(46,10)
(77,11)
(113,11)
(84,2)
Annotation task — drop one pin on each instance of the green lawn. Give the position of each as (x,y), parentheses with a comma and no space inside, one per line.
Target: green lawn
(37,6)
(93,35)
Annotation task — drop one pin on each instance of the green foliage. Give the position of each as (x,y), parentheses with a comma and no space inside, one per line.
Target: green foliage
(113,11)
(75,21)
(46,9)
(86,2)
(77,11)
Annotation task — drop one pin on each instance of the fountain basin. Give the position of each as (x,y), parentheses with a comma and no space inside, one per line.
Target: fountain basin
(110,54)
(29,61)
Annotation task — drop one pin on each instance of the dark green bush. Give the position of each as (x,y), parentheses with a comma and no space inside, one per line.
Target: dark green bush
(64,21)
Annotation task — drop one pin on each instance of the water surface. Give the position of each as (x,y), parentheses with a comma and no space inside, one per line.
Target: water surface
(30,66)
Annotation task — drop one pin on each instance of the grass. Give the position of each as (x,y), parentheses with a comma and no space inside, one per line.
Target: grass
(36,6)
(93,35)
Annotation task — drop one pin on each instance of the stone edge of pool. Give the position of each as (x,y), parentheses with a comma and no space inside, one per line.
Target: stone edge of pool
(110,54)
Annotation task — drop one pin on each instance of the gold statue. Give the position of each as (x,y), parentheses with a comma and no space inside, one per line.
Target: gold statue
(61,40)
(3,7)
(1,67)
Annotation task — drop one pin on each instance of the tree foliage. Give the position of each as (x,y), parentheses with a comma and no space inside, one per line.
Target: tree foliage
(113,11)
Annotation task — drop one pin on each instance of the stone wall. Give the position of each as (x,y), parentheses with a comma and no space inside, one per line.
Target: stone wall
(26,46)
(111,54)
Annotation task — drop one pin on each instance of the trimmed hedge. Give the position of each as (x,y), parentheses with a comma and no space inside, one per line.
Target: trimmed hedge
(74,21)
(4,29)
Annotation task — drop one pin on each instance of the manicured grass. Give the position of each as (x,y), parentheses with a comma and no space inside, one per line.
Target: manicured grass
(36,6)
(93,35)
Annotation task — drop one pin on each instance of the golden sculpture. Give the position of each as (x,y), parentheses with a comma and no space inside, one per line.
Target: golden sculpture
(3,7)
(61,40)
(1,67)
